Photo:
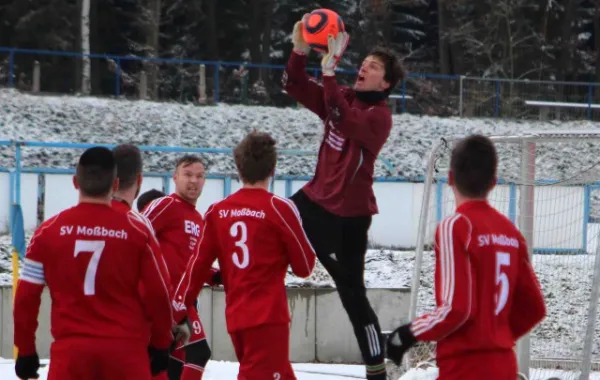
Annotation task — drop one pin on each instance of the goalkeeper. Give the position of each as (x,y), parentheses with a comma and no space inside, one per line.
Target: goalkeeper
(337,205)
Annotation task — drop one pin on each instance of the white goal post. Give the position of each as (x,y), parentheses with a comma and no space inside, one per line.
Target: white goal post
(544,187)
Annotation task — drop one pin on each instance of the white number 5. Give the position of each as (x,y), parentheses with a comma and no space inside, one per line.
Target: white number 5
(96,247)
(240,229)
(502,259)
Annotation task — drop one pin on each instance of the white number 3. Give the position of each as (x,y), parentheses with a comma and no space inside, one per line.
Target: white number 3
(502,259)
(96,247)
(240,229)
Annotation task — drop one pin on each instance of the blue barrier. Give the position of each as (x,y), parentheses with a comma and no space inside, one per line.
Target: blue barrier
(18,169)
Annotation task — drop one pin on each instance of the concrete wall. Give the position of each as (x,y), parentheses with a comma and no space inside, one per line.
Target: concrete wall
(320,329)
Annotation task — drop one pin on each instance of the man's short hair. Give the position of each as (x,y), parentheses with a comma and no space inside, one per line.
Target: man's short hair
(145,198)
(394,71)
(129,164)
(473,163)
(96,172)
(255,157)
(187,160)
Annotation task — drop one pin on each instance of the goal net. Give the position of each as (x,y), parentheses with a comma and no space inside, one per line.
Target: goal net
(547,183)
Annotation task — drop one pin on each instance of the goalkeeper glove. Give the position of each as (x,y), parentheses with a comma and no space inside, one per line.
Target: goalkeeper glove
(299,44)
(399,341)
(26,367)
(335,48)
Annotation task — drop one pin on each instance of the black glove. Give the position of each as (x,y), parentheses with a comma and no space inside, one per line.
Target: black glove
(159,359)
(398,342)
(26,367)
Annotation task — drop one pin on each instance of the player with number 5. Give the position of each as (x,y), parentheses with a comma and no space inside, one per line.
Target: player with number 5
(93,258)
(255,235)
(487,293)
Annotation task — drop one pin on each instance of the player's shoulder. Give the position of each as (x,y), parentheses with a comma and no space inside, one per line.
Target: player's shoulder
(159,205)
(50,222)
(284,206)
(456,224)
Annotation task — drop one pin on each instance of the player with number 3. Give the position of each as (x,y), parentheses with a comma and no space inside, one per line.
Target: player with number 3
(255,235)
(487,294)
(93,258)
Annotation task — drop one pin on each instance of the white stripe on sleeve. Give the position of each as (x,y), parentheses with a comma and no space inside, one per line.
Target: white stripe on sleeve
(33,272)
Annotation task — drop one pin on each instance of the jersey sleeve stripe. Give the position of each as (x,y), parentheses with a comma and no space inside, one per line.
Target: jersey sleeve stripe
(446,278)
(157,207)
(33,272)
(132,220)
(292,230)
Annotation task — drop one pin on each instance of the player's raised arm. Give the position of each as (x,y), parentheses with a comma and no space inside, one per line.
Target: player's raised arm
(528,308)
(29,293)
(157,288)
(297,82)
(301,253)
(452,282)
(198,270)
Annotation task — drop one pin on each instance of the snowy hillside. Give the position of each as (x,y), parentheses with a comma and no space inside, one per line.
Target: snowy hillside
(70,119)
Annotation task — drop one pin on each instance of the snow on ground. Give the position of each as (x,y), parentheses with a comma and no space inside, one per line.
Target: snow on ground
(219,370)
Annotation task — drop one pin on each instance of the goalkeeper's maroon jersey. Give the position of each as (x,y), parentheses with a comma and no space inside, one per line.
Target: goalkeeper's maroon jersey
(93,258)
(487,293)
(254,235)
(355,133)
(177,225)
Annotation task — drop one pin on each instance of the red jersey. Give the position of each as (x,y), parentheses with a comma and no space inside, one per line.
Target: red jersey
(254,235)
(355,133)
(93,258)
(125,207)
(487,293)
(177,225)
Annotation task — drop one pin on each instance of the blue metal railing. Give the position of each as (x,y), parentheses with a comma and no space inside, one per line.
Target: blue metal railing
(16,172)
(118,59)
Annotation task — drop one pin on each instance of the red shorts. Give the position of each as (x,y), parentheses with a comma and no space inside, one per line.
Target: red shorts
(494,365)
(95,358)
(197,334)
(263,352)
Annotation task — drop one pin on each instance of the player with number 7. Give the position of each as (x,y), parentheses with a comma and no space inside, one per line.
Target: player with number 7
(487,294)
(255,235)
(93,259)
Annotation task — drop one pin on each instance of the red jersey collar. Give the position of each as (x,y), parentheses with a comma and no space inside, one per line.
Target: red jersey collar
(120,204)
(177,197)
(473,204)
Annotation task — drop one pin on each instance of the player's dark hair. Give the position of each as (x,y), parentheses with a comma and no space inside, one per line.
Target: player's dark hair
(255,157)
(96,171)
(394,71)
(187,160)
(129,164)
(145,198)
(474,163)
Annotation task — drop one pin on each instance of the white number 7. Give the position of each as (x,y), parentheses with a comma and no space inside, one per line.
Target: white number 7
(502,259)
(95,246)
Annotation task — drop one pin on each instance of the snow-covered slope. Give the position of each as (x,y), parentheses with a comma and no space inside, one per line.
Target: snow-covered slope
(70,119)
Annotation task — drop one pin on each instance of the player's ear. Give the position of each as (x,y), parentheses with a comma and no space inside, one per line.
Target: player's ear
(75,183)
(450,178)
